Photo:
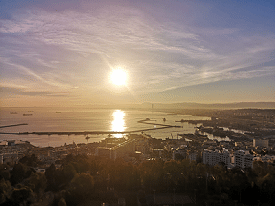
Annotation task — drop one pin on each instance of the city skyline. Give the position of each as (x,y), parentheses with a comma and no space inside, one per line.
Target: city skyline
(58,53)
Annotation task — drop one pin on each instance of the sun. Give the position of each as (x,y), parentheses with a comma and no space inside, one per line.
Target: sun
(118,77)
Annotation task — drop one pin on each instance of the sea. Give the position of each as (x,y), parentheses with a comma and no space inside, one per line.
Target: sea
(83,119)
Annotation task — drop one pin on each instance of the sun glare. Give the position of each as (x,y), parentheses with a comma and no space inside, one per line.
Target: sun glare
(118,77)
(118,123)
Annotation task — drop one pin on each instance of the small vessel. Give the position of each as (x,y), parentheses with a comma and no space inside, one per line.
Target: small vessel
(182,120)
(27,114)
(13,112)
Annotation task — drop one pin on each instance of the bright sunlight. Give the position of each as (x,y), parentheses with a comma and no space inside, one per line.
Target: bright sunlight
(118,123)
(118,77)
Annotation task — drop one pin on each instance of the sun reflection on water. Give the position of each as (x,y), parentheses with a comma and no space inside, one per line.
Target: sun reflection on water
(118,123)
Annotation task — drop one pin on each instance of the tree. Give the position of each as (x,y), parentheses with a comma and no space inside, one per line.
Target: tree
(30,160)
(267,184)
(62,202)
(82,184)
(37,182)
(51,176)
(69,172)
(4,171)
(21,195)
(5,188)
(20,172)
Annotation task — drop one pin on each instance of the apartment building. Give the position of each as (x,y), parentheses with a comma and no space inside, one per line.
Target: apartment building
(213,157)
(242,159)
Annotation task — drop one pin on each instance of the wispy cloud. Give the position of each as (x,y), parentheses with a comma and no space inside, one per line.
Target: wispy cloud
(164,55)
(46,83)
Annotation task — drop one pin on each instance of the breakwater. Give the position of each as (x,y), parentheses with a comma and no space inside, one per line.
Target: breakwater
(163,126)
(13,125)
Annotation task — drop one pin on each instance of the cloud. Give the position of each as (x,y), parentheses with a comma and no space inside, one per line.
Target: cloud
(11,91)
(161,55)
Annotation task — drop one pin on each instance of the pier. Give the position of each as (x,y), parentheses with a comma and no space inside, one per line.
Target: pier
(13,125)
(163,126)
(83,133)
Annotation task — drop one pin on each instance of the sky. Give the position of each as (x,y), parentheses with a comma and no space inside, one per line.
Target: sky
(62,53)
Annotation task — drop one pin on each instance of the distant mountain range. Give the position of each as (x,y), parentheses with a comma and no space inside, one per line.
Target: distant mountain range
(237,105)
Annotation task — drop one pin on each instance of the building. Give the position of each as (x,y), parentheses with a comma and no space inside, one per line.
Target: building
(193,156)
(11,157)
(120,150)
(102,151)
(209,143)
(260,143)
(243,159)
(213,157)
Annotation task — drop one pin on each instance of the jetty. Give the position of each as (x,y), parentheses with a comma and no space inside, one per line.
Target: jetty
(162,126)
(13,125)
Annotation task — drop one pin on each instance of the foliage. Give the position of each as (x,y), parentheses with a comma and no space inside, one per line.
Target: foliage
(30,160)
(21,195)
(97,178)
(20,172)
(37,182)
(5,189)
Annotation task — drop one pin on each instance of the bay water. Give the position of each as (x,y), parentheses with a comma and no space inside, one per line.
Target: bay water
(83,119)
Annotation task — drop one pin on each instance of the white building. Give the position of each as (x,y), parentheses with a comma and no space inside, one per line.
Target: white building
(243,159)
(213,157)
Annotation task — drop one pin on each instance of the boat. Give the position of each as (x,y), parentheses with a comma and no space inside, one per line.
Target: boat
(182,120)
(27,114)
(13,112)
